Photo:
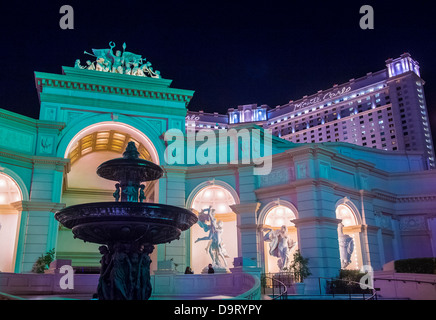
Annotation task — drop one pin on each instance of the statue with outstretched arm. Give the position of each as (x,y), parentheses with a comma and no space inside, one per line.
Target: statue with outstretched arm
(118,58)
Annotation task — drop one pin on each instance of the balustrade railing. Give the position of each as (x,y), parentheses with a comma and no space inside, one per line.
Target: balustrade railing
(336,286)
(280,286)
(277,284)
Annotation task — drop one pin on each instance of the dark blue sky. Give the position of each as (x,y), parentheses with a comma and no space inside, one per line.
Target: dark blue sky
(229,52)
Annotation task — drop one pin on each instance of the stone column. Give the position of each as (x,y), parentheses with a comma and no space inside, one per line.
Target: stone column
(318,241)
(397,238)
(378,222)
(249,238)
(370,246)
(369,235)
(37,233)
(172,192)
(38,227)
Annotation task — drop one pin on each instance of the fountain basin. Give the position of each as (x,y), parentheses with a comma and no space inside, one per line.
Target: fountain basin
(133,169)
(110,222)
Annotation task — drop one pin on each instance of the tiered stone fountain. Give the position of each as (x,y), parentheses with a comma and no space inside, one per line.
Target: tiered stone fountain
(128,228)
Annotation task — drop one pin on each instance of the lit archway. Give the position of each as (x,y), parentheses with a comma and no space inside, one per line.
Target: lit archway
(349,229)
(9,221)
(111,136)
(219,198)
(275,215)
(344,213)
(91,147)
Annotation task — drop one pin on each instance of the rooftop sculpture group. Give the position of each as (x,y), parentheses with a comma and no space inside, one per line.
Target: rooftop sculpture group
(119,62)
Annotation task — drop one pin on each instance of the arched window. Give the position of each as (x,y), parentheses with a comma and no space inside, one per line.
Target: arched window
(280,215)
(9,190)
(216,196)
(9,221)
(344,213)
(219,199)
(275,216)
(350,252)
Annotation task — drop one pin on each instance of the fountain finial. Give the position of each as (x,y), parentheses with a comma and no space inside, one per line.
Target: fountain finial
(131,151)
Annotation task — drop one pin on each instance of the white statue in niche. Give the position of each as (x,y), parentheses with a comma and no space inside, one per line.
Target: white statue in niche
(346,247)
(215,246)
(280,245)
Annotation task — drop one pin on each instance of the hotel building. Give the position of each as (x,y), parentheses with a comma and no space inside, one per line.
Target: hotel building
(384,110)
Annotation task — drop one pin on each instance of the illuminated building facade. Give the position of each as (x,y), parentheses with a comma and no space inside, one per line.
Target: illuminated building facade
(384,110)
(371,182)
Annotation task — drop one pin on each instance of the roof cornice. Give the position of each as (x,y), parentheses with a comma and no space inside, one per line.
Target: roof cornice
(110,83)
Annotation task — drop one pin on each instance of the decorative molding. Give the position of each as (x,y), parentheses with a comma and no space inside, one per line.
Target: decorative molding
(111,89)
(24,159)
(369,228)
(60,164)
(78,192)
(413,223)
(388,232)
(248,227)
(7,209)
(103,105)
(352,229)
(243,208)
(274,191)
(315,220)
(38,206)
(17,118)
(302,170)
(226,217)
(52,125)
(384,195)
(416,233)
(34,123)
(277,177)
(420,198)
(46,144)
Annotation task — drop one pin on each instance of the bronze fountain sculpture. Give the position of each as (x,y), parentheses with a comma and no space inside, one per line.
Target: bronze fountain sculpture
(128,228)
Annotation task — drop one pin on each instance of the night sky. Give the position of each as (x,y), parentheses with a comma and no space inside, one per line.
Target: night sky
(229,52)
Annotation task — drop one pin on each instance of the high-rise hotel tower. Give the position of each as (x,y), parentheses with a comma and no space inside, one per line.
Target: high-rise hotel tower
(384,110)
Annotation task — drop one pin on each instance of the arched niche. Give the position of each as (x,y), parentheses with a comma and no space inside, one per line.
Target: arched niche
(273,216)
(90,147)
(349,234)
(10,193)
(94,145)
(219,196)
